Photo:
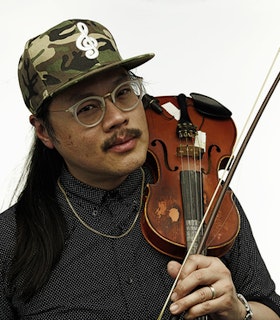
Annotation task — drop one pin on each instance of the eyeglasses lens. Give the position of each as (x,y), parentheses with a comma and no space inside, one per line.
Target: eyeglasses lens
(126,96)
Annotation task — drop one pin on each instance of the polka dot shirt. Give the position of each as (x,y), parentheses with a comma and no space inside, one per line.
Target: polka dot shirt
(102,278)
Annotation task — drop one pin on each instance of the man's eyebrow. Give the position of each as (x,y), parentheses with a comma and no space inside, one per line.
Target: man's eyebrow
(75,97)
(123,77)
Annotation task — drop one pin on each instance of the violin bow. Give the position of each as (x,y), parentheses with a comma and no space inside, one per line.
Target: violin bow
(230,169)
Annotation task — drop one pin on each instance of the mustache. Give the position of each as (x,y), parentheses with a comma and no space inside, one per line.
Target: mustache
(122,134)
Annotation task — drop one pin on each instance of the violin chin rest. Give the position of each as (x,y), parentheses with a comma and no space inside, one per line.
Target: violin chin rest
(210,107)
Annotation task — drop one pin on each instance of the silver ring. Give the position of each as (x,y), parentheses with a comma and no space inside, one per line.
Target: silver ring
(213,292)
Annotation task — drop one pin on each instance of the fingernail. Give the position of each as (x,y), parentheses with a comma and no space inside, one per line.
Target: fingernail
(174,296)
(173,307)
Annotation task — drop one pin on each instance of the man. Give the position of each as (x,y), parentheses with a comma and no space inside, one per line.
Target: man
(72,246)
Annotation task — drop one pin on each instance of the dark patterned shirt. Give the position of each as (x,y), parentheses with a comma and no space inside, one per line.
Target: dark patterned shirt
(117,278)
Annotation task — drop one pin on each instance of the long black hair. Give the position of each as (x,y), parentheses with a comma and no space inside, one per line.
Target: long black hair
(41,228)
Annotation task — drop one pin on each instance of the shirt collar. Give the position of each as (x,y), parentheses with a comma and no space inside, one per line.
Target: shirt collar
(76,188)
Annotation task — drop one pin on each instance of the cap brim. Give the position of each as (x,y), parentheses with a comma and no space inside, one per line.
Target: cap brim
(128,64)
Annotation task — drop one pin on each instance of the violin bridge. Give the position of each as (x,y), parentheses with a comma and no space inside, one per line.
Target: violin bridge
(195,150)
(189,151)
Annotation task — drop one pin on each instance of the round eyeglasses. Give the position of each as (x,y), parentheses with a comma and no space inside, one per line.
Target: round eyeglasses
(90,111)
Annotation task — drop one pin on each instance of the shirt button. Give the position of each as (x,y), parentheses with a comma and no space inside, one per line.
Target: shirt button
(129,280)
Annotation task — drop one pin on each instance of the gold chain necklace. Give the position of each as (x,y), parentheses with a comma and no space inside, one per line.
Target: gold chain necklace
(96,231)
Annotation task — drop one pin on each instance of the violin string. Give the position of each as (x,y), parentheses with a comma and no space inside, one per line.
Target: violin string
(196,183)
(197,168)
(190,185)
(190,249)
(192,245)
(200,180)
(217,187)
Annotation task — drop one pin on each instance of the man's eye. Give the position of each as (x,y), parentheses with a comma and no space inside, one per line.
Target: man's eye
(88,108)
(124,91)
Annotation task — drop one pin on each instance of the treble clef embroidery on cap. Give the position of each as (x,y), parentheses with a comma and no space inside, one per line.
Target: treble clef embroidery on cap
(86,43)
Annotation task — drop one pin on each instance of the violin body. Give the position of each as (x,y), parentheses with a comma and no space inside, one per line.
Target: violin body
(186,177)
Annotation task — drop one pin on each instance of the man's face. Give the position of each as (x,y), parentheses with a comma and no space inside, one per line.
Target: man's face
(101,156)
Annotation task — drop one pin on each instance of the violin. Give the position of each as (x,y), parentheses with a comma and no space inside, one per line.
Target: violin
(191,140)
(191,150)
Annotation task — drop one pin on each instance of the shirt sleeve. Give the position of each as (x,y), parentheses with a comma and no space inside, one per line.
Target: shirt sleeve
(249,272)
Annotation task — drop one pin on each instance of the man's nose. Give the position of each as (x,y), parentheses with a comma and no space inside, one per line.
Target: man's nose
(114,117)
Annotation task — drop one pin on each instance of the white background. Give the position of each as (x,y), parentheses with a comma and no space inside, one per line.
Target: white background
(220,48)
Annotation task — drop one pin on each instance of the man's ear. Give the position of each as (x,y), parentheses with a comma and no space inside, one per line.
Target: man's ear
(41,131)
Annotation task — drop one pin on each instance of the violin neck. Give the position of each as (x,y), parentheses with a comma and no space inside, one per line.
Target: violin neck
(192,198)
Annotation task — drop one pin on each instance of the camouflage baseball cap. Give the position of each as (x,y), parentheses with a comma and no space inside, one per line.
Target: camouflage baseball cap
(66,54)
